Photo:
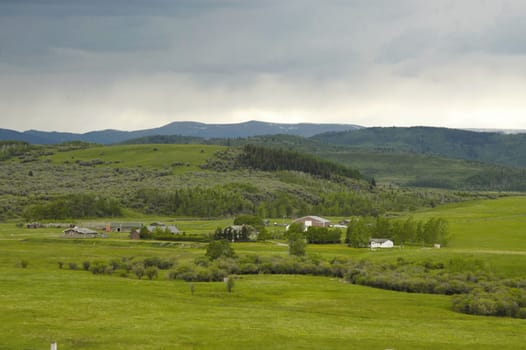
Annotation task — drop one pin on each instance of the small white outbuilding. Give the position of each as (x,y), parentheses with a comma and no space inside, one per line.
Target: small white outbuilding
(380,243)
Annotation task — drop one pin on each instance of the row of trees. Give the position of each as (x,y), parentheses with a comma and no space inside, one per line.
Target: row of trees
(313,234)
(10,149)
(200,202)
(242,233)
(271,159)
(361,230)
(238,198)
(81,205)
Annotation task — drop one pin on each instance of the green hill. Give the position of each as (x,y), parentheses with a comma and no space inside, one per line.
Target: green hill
(492,225)
(423,170)
(387,165)
(187,157)
(452,143)
(79,180)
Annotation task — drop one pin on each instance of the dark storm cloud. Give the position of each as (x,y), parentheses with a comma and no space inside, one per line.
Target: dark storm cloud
(370,62)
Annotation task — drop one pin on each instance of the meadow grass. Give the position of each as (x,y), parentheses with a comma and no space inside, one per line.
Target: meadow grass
(79,310)
(403,167)
(493,225)
(187,157)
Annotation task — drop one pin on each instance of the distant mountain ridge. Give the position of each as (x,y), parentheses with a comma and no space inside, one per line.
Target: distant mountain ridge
(245,129)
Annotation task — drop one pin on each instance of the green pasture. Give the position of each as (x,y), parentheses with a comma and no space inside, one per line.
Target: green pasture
(395,167)
(79,310)
(43,303)
(182,157)
(489,225)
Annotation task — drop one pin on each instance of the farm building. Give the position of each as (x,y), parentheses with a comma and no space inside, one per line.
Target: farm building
(80,232)
(316,221)
(157,225)
(380,243)
(122,226)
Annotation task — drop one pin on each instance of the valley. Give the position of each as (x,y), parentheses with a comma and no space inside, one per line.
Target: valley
(97,291)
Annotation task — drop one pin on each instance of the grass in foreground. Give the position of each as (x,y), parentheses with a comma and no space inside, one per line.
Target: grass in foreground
(83,311)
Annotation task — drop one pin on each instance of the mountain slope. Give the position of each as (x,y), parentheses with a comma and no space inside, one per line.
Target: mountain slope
(247,129)
(479,146)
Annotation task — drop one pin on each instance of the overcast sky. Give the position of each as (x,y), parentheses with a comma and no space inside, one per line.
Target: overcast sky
(131,64)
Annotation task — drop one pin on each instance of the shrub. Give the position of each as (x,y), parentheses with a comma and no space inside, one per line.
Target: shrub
(248,269)
(23,263)
(115,264)
(86,265)
(217,249)
(60,264)
(73,266)
(186,273)
(138,270)
(202,261)
(228,264)
(98,268)
(151,272)
(229,281)
(154,261)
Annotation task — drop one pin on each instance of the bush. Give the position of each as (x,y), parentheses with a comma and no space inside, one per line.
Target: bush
(138,270)
(248,269)
(86,265)
(73,266)
(98,268)
(227,264)
(229,281)
(115,264)
(221,248)
(22,264)
(151,272)
(154,261)
(185,272)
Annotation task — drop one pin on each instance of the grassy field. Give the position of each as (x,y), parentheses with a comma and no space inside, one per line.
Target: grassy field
(84,311)
(79,310)
(400,168)
(494,225)
(186,157)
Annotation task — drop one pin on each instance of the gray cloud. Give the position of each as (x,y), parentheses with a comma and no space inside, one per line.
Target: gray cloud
(126,64)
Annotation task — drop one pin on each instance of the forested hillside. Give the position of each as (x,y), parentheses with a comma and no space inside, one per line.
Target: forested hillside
(80,180)
(269,159)
(479,146)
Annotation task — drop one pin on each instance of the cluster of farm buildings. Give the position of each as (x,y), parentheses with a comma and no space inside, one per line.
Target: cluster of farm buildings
(133,229)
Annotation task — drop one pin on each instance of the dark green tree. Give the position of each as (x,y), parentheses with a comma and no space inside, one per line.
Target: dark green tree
(358,233)
(297,243)
(220,248)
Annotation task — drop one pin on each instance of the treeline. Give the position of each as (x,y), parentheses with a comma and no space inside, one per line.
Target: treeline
(315,235)
(166,235)
(232,234)
(498,179)
(73,206)
(270,159)
(361,230)
(231,200)
(165,139)
(239,198)
(200,202)
(9,149)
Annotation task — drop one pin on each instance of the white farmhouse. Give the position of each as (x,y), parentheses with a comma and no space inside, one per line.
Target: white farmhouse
(380,243)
